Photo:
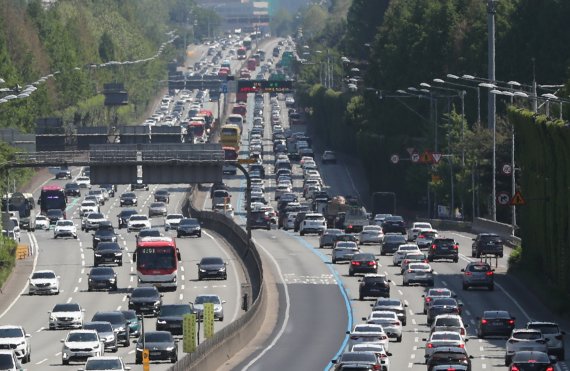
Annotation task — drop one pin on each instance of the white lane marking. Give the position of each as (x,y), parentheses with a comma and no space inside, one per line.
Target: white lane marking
(36,248)
(416,339)
(233,269)
(119,307)
(69,300)
(124,298)
(410,365)
(132,278)
(41,329)
(83,263)
(58,354)
(287,308)
(181,296)
(131,351)
(80,279)
(352,181)
(42,361)
(484,365)
(414,321)
(182,287)
(182,268)
(82,270)
(444,283)
(132,269)
(400,292)
(467,312)
(182,277)
(412,356)
(76,289)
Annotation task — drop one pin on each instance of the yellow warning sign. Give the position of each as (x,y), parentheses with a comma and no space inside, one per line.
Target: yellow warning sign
(517,200)
(426,157)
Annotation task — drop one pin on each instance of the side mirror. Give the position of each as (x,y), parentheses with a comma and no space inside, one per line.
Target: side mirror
(334,361)
(424,339)
(389,354)
(364,318)
(83,310)
(61,341)
(389,280)
(405,305)
(359,280)
(28,335)
(348,332)
(462,270)
(129,296)
(223,302)
(423,295)
(161,295)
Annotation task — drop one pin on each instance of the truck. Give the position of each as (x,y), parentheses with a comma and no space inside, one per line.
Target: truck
(383,203)
(335,206)
(355,218)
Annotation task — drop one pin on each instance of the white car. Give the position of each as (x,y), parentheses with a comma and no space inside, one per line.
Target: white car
(107,363)
(42,222)
(415,230)
(368,333)
(421,273)
(92,221)
(65,228)
(69,315)
(88,206)
(81,344)
(525,339)
(281,189)
(290,222)
(344,250)
(449,322)
(313,223)
(172,220)
(43,282)
(389,320)
(379,218)
(426,237)
(9,361)
(83,181)
(402,251)
(225,209)
(16,338)
(371,234)
(137,222)
(443,339)
(328,156)
(198,305)
(99,194)
(377,349)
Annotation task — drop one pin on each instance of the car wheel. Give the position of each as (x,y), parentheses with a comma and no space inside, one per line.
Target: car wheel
(65,362)
(560,355)
(456,260)
(465,287)
(491,287)
(382,253)
(89,289)
(507,361)
(115,288)
(174,359)
(127,342)
(431,283)
(28,358)
(221,318)
(350,273)
(404,283)
(404,323)
(430,258)
(301,233)
(199,278)
(473,254)
(177,235)
(120,264)
(360,297)
(333,261)
(138,360)
(399,339)
(55,236)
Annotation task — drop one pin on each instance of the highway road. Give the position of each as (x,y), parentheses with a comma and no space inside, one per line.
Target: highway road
(72,259)
(319,301)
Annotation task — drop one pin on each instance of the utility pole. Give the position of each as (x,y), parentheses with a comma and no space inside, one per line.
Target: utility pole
(492,103)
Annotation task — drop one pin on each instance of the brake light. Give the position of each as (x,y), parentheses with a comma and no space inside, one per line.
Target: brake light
(550,368)
(354,337)
(451,369)
(489,273)
(397,323)
(428,299)
(433,247)
(372,263)
(462,345)
(558,337)
(350,226)
(376,367)
(468,273)
(484,321)
(421,236)
(515,368)
(511,322)
(456,247)
(409,271)
(462,331)
(382,355)
(429,345)
(355,263)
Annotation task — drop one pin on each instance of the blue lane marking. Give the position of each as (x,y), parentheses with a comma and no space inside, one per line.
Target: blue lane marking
(342,288)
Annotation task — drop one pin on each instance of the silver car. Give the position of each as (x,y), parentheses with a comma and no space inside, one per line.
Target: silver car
(390,323)
(478,274)
(344,251)
(552,334)
(106,333)
(402,251)
(524,339)
(200,300)
(157,208)
(368,333)
(443,339)
(421,273)
(371,234)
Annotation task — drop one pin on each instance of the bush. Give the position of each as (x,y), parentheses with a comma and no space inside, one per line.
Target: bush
(515,258)
(7,258)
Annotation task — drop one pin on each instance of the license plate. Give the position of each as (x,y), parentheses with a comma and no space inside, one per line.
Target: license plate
(155,353)
(212,272)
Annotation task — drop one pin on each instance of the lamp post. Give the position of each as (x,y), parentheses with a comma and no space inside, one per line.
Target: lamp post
(441,81)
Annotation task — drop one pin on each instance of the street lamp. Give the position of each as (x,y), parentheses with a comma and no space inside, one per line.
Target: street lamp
(441,81)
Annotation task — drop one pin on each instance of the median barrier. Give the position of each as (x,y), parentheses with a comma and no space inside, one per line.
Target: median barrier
(213,352)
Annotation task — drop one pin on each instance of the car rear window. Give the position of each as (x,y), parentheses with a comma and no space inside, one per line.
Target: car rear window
(395,239)
(496,314)
(527,335)
(374,279)
(545,328)
(479,268)
(447,321)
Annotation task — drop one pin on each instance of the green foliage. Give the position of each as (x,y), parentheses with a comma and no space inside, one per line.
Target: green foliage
(7,258)
(515,258)
(363,19)
(106,48)
(281,23)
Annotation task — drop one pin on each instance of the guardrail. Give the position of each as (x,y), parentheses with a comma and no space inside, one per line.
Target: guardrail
(213,352)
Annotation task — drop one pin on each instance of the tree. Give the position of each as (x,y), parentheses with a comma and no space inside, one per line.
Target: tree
(363,19)
(281,23)
(106,48)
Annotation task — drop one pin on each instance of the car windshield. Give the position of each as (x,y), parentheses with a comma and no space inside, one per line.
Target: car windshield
(359,357)
(363,257)
(82,336)
(444,301)
(144,292)
(346,245)
(496,314)
(6,361)
(395,239)
(99,326)
(386,315)
(490,238)
(157,205)
(71,307)
(43,275)
(175,310)
(102,271)
(128,195)
(174,216)
(388,302)
(190,222)
(103,364)
(393,219)
(374,279)
(367,328)
(96,216)
(202,299)
(88,203)
(113,318)
(138,217)
(427,235)
(439,292)
(13,332)
(161,192)
(65,223)
(108,246)
(157,337)
(213,260)
(149,233)
(531,357)
(447,321)
(54,213)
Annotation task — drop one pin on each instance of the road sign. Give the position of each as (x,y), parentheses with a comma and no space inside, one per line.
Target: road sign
(146,359)
(436,156)
(189,333)
(410,150)
(507,169)
(415,157)
(517,200)
(503,198)
(208,320)
(426,157)
(395,159)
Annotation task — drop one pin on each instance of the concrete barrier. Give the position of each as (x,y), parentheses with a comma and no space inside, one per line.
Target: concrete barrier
(213,352)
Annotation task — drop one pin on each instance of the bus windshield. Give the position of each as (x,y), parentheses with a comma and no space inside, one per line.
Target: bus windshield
(156,257)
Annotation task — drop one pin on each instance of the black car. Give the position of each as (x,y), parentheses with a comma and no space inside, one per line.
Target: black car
(444,248)
(356,361)
(374,285)
(363,263)
(63,173)
(259,219)
(217,186)
(495,323)
(72,189)
(128,198)
(119,323)
(108,253)
(54,215)
(532,361)
(124,216)
(391,243)
(145,300)
(171,317)
(487,244)
(442,306)
(161,344)
(104,233)
(139,185)
(393,305)
(299,219)
(102,278)
(162,195)
(189,227)
(394,224)
(329,237)
(212,267)
(449,356)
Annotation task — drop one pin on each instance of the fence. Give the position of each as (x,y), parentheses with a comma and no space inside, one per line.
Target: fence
(213,352)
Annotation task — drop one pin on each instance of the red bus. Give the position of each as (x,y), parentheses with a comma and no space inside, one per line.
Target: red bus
(241,53)
(52,197)
(251,64)
(230,153)
(157,262)
(240,109)
(198,130)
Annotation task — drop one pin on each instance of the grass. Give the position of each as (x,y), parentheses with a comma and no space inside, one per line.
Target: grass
(7,258)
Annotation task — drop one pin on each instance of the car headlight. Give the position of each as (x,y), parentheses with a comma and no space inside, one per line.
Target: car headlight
(65,347)
(217,309)
(112,280)
(118,253)
(120,329)
(98,255)
(160,321)
(169,349)
(52,318)
(202,270)
(96,346)
(97,238)
(222,269)
(156,303)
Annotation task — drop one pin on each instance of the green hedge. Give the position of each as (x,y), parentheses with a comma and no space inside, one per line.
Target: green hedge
(7,258)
